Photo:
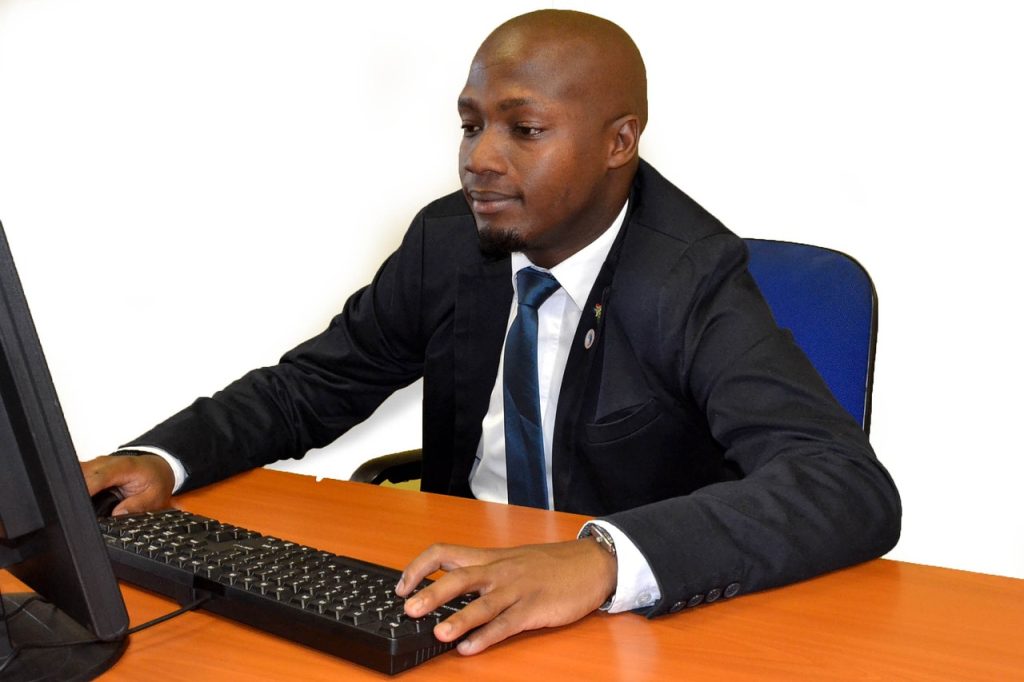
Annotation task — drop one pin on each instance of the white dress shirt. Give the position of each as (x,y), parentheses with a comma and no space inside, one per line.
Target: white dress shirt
(557,319)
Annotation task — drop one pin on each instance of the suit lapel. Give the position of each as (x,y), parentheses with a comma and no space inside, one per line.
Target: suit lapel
(584,360)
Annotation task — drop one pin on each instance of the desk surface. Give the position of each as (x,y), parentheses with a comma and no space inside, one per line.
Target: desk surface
(880,620)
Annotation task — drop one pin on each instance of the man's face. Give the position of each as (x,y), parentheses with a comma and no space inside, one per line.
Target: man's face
(533,156)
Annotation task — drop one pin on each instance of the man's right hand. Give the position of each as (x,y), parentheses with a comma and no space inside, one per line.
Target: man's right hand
(146,481)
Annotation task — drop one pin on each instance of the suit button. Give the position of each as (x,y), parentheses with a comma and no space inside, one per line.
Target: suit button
(695,600)
(731,590)
(713,595)
(677,607)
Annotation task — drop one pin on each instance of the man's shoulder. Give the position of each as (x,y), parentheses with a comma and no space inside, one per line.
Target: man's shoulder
(668,232)
(663,209)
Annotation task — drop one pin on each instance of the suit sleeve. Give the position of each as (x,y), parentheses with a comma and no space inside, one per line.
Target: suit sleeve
(809,495)
(317,391)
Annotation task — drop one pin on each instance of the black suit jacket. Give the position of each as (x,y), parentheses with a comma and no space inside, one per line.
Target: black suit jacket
(692,422)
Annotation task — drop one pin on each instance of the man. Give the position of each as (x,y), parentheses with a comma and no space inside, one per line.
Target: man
(658,392)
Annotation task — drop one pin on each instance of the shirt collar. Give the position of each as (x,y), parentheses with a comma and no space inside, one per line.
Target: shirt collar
(578,272)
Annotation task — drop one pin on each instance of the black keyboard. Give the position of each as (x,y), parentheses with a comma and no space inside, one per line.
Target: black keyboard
(337,604)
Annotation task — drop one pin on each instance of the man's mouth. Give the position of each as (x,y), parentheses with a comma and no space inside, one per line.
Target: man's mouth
(487,202)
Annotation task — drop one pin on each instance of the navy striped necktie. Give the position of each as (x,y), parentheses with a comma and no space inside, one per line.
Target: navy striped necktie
(524,437)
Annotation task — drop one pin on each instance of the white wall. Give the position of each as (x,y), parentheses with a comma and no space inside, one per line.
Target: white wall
(192,187)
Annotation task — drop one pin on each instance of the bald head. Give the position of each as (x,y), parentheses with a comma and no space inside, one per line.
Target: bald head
(595,59)
(552,112)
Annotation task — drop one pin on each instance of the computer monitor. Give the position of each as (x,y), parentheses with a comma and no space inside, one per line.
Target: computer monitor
(49,538)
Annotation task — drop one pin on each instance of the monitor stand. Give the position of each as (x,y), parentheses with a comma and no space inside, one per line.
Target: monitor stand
(42,622)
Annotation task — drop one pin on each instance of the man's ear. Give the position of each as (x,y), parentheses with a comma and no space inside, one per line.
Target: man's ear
(626,139)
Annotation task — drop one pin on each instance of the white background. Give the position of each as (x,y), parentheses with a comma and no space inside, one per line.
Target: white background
(192,187)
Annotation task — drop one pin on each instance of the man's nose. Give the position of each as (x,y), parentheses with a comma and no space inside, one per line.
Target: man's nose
(484,153)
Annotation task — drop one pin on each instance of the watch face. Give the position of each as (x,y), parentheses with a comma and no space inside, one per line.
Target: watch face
(601,536)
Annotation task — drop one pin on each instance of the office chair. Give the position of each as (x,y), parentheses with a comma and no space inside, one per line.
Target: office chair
(824,297)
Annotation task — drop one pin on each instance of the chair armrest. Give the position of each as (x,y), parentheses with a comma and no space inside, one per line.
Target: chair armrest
(396,467)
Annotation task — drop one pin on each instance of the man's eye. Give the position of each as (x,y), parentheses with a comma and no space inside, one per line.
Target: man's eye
(528,131)
(469,129)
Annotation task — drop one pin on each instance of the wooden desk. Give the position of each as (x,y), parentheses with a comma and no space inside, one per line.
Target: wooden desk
(881,620)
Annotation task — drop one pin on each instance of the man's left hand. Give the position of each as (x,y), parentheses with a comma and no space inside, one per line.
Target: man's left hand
(520,588)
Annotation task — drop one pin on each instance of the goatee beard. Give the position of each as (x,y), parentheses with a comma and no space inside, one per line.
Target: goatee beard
(500,243)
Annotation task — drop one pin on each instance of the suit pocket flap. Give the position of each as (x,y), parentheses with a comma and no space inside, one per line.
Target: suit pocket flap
(622,423)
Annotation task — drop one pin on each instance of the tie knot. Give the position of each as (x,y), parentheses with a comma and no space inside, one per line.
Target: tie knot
(534,287)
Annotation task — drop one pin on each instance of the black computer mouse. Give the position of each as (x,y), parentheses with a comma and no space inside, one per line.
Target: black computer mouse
(104,501)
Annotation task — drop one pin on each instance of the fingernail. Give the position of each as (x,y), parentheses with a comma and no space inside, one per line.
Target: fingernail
(465,647)
(443,630)
(401,583)
(413,605)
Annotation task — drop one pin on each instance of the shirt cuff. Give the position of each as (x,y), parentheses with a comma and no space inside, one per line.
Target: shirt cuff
(635,586)
(180,475)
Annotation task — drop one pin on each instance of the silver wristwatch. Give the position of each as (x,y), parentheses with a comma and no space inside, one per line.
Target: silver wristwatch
(605,540)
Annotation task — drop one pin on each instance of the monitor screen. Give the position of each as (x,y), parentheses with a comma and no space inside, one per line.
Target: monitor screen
(49,538)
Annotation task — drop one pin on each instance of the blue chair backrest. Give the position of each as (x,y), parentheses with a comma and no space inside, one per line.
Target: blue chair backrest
(826,299)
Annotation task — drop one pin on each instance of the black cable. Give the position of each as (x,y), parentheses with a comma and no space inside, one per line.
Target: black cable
(173,614)
(57,645)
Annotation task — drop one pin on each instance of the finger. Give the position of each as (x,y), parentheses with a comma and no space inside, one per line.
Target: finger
(482,610)
(144,501)
(425,563)
(434,558)
(509,622)
(450,586)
